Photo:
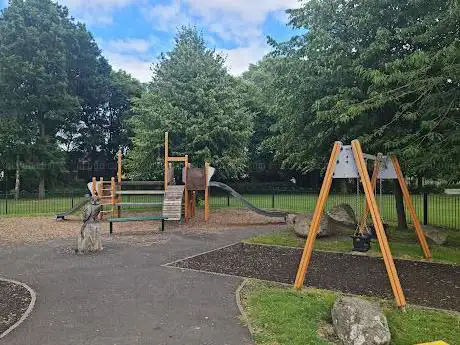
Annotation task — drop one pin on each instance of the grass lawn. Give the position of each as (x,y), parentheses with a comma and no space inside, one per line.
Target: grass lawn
(403,244)
(283,316)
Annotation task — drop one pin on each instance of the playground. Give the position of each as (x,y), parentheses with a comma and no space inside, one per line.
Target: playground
(229,172)
(170,273)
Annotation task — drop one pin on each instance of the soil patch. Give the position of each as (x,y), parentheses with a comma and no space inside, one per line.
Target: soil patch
(427,284)
(14,301)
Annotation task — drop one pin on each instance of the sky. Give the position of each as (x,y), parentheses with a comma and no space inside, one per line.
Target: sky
(132,33)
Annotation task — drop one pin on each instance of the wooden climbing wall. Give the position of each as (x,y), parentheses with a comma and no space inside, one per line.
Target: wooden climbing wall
(172,202)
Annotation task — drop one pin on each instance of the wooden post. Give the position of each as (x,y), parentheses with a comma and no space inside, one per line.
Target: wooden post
(100,194)
(314,226)
(375,173)
(119,177)
(187,204)
(407,199)
(206,192)
(113,195)
(93,186)
(378,225)
(166,161)
(193,203)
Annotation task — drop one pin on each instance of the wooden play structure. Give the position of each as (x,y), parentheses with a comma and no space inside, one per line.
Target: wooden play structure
(348,161)
(179,201)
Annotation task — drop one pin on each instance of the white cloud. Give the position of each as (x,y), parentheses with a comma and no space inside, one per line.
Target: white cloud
(138,45)
(99,4)
(248,11)
(130,54)
(96,12)
(167,17)
(239,59)
(237,21)
(138,67)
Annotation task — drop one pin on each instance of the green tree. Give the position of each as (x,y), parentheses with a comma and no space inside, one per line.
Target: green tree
(260,96)
(193,97)
(386,72)
(123,89)
(89,75)
(34,84)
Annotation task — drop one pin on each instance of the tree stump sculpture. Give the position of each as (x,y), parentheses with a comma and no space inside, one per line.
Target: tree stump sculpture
(89,239)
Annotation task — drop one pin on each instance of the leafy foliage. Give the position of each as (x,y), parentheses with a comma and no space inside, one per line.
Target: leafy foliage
(193,98)
(386,72)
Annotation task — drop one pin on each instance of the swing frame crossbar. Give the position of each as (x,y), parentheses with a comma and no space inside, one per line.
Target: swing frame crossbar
(371,207)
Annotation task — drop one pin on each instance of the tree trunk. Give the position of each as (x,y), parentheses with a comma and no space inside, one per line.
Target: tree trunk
(343,186)
(92,156)
(17,181)
(41,185)
(400,211)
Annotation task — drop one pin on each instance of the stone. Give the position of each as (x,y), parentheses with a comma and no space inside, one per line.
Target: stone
(341,218)
(435,235)
(300,223)
(359,322)
(91,239)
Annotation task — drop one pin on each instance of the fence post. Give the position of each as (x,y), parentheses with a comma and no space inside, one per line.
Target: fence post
(425,208)
(273,198)
(71,195)
(6,193)
(228,199)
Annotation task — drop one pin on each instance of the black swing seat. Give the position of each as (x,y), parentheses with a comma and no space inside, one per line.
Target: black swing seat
(361,243)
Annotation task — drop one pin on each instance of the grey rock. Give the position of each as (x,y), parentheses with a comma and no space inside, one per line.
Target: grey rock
(300,223)
(341,218)
(435,235)
(359,322)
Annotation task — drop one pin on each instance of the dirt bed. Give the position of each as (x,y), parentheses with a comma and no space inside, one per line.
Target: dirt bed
(427,284)
(24,230)
(14,301)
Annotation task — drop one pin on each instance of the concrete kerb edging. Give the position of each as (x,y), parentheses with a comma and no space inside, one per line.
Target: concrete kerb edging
(33,297)
(243,313)
(170,264)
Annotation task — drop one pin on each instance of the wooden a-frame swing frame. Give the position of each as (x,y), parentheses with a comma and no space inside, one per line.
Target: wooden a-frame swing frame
(372,208)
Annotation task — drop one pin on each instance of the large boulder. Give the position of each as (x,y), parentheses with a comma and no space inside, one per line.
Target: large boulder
(359,322)
(435,235)
(341,218)
(300,223)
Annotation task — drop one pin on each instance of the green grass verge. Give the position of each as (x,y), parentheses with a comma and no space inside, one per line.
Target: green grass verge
(283,316)
(403,245)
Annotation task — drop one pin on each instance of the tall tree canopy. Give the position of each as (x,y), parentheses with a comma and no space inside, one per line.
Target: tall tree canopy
(57,91)
(386,72)
(193,98)
(34,82)
(261,97)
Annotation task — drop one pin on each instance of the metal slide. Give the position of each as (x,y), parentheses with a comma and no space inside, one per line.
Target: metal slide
(234,193)
(78,206)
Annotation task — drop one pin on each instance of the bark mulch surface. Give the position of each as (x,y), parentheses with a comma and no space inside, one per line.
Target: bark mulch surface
(427,284)
(32,230)
(14,301)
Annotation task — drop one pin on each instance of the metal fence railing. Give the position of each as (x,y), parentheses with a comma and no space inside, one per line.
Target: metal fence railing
(434,209)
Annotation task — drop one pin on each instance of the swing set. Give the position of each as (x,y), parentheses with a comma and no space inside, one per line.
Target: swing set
(349,161)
